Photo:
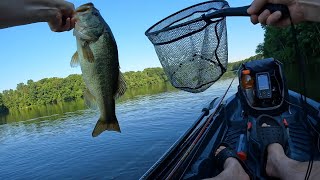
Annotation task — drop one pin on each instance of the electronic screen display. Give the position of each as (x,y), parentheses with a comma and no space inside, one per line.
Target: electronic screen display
(263,82)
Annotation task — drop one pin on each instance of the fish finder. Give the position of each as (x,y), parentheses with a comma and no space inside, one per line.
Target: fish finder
(263,84)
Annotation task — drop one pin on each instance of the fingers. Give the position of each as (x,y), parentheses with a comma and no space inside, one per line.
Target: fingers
(266,18)
(73,22)
(69,25)
(274,19)
(68,9)
(64,20)
(254,19)
(263,17)
(55,23)
(283,23)
(256,6)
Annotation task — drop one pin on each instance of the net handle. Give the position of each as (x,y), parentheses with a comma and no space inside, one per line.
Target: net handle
(242,11)
(237,11)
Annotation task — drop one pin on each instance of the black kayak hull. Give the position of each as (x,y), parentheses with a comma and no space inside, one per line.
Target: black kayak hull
(227,124)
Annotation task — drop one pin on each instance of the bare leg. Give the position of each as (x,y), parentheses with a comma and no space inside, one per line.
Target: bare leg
(280,166)
(232,169)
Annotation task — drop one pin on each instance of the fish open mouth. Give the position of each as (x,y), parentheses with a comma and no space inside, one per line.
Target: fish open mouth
(84,7)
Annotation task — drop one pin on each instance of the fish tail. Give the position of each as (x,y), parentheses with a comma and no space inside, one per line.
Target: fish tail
(103,125)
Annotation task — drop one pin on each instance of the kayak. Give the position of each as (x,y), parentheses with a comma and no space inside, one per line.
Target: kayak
(232,121)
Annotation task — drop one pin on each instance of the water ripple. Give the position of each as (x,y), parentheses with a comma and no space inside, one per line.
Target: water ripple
(61,147)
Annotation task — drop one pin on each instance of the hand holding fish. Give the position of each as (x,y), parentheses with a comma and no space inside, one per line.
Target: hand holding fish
(62,20)
(58,13)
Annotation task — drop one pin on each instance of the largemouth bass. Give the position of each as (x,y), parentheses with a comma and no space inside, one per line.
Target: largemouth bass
(97,55)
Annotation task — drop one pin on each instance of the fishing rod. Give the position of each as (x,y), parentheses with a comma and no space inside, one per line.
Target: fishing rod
(178,154)
(180,145)
(205,112)
(188,136)
(203,130)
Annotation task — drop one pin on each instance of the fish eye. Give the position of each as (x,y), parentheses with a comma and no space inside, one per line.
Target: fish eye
(95,13)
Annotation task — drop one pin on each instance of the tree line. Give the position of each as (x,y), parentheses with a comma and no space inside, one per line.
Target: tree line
(279,43)
(56,90)
(234,66)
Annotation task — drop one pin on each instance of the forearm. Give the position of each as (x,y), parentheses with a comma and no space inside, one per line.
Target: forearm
(311,9)
(20,12)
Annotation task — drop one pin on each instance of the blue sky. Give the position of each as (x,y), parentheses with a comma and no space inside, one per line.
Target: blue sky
(34,52)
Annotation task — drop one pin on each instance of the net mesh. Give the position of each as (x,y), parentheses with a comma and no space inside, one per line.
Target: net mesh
(193,55)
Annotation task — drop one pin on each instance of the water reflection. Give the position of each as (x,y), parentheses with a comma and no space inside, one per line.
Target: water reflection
(147,90)
(61,146)
(42,111)
(55,111)
(51,112)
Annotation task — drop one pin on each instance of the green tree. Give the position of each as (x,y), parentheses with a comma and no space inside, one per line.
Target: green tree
(57,90)
(3,108)
(234,66)
(279,43)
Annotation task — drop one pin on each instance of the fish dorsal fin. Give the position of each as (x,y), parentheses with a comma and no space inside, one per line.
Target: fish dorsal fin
(87,53)
(122,87)
(75,60)
(90,100)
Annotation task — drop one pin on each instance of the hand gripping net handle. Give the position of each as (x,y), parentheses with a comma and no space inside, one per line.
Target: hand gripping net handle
(192,43)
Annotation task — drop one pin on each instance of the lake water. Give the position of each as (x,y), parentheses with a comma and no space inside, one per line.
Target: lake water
(55,142)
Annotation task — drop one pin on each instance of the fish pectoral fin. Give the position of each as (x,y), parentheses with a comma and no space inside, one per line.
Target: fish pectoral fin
(90,100)
(87,53)
(102,125)
(75,60)
(122,86)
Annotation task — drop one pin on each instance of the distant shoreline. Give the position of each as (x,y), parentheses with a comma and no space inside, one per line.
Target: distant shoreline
(58,90)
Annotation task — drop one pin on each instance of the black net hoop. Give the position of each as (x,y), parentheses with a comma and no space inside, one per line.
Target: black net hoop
(193,51)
